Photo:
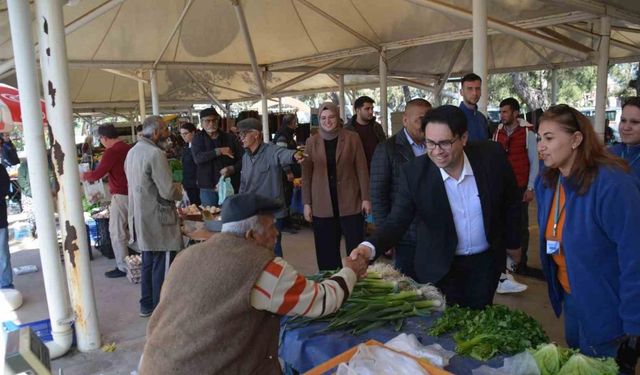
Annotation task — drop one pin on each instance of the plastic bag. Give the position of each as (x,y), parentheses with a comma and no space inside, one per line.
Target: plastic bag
(377,360)
(520,364)
(434,353)
(225,189)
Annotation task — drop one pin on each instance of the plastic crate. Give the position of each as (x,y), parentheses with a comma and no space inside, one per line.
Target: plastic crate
(42,329)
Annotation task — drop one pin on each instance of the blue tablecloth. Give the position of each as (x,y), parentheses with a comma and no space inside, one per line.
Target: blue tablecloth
(306,347)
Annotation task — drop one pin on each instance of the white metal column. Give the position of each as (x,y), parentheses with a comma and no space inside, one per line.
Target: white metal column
(602,74)
(52,271)
(383,92)
(265,119)
(480,49)
(143,109)
(343,110)
(554,86)
(55,79)
(155,104)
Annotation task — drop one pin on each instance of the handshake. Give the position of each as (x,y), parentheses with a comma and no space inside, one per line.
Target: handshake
(358,260)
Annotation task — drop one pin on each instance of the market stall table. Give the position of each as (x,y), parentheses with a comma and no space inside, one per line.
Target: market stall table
(306,347)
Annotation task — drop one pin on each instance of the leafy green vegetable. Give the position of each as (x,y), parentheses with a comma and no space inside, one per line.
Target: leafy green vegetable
(483,334)
(550,358)
(580,364)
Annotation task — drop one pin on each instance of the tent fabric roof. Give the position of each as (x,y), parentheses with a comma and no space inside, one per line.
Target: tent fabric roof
(291,37)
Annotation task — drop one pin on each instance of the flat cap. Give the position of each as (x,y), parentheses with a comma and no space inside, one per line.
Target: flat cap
(249,124)
(242,206)
(209,112)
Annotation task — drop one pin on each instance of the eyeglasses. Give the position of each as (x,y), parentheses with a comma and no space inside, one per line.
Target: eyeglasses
(444,145)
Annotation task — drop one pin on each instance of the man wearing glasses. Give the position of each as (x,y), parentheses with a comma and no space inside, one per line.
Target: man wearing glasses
(465,201)
(261,169)
(112,163)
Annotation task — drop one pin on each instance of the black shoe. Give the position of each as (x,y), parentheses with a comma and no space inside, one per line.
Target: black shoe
(113,274)
(145,312)
(536,273)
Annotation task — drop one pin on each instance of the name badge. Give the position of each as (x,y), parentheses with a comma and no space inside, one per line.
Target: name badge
(553,246)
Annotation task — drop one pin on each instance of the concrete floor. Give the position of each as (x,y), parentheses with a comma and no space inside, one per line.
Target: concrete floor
(117,302)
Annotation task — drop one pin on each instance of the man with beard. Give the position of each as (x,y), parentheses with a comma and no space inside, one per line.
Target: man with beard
(213,150)
(471,91)
(364,123)
(261,173)
(153,219)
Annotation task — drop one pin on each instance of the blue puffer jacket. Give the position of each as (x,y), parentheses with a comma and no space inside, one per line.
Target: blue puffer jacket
(601,243)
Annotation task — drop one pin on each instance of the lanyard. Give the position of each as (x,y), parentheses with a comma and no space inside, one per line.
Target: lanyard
(624,156)
(558,210)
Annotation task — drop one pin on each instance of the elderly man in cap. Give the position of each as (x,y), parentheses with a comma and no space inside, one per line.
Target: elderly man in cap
(213,150)
(216,314)
(262,166)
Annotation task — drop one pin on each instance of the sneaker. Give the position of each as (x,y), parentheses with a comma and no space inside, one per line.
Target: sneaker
(113,274)
(508,284)
(145,313)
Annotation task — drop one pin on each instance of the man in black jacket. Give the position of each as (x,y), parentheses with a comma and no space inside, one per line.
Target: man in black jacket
(364,123)
(189,166)
(213,150)
(388,158)
(465,200)
(6,277)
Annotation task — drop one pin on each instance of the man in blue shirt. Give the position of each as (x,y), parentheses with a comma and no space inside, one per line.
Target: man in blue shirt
(477,122)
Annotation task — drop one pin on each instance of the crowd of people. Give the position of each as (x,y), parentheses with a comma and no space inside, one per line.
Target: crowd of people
(449,198)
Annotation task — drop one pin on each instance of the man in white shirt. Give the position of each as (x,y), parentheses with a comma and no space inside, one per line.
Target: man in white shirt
(465,202)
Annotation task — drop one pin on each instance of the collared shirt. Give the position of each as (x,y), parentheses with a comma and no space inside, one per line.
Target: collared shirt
(418,149)
(477,124)
(280,289)
(464,201)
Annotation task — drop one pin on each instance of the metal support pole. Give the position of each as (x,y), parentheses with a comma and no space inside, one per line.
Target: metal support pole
(52,271)
(155,103)
(279,104)
(143,109)
(265,119)
(602,73)
(55,79)
(383,93)
(480,49)
(247,40)
(554,86)
(343,110)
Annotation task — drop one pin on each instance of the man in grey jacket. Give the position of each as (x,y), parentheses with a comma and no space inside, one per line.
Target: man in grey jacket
(261,170)
(153,220)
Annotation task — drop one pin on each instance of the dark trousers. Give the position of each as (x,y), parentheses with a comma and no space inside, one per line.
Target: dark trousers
(194,195)
(278,248)
(471,281)
(524,233)
(327,232)
(404,255)
(155,266)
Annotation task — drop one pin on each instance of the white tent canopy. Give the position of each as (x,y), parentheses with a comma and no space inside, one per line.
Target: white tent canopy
(203,55)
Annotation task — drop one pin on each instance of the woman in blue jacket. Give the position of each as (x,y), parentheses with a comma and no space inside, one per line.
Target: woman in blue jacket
(589,217)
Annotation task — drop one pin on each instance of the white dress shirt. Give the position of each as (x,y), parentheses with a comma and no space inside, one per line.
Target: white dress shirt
(464,201)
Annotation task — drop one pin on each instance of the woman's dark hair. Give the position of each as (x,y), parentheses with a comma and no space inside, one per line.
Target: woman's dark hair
(590,153)
(188,126)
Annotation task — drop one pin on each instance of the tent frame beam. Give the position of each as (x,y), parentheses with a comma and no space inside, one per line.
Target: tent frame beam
(599,9)
(126,75)
(304,76)
(173,33)
(445,77)
(206,91)
(614,42)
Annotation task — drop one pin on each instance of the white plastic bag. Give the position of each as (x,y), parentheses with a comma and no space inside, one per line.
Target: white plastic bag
(434,353)
(225,189)
(377,360)
(520,364)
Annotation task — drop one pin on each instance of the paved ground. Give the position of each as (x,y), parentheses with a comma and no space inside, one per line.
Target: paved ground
(117,302)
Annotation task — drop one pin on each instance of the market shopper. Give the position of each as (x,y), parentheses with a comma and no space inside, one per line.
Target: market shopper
(220,307)
(388,158)
(286,137)
(468,211)
(6,274)
(213,149)
(152,215)
(112,164)
(364,123)
(589,245)
(477,124)
(335,188)
(261,169)
(189,166)
(629,129)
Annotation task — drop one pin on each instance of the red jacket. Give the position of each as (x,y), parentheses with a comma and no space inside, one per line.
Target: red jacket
(112,162)
(516,148)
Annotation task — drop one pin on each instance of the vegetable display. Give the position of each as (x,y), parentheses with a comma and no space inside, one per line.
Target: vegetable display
(482,334)
(383,297)
(554,360)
